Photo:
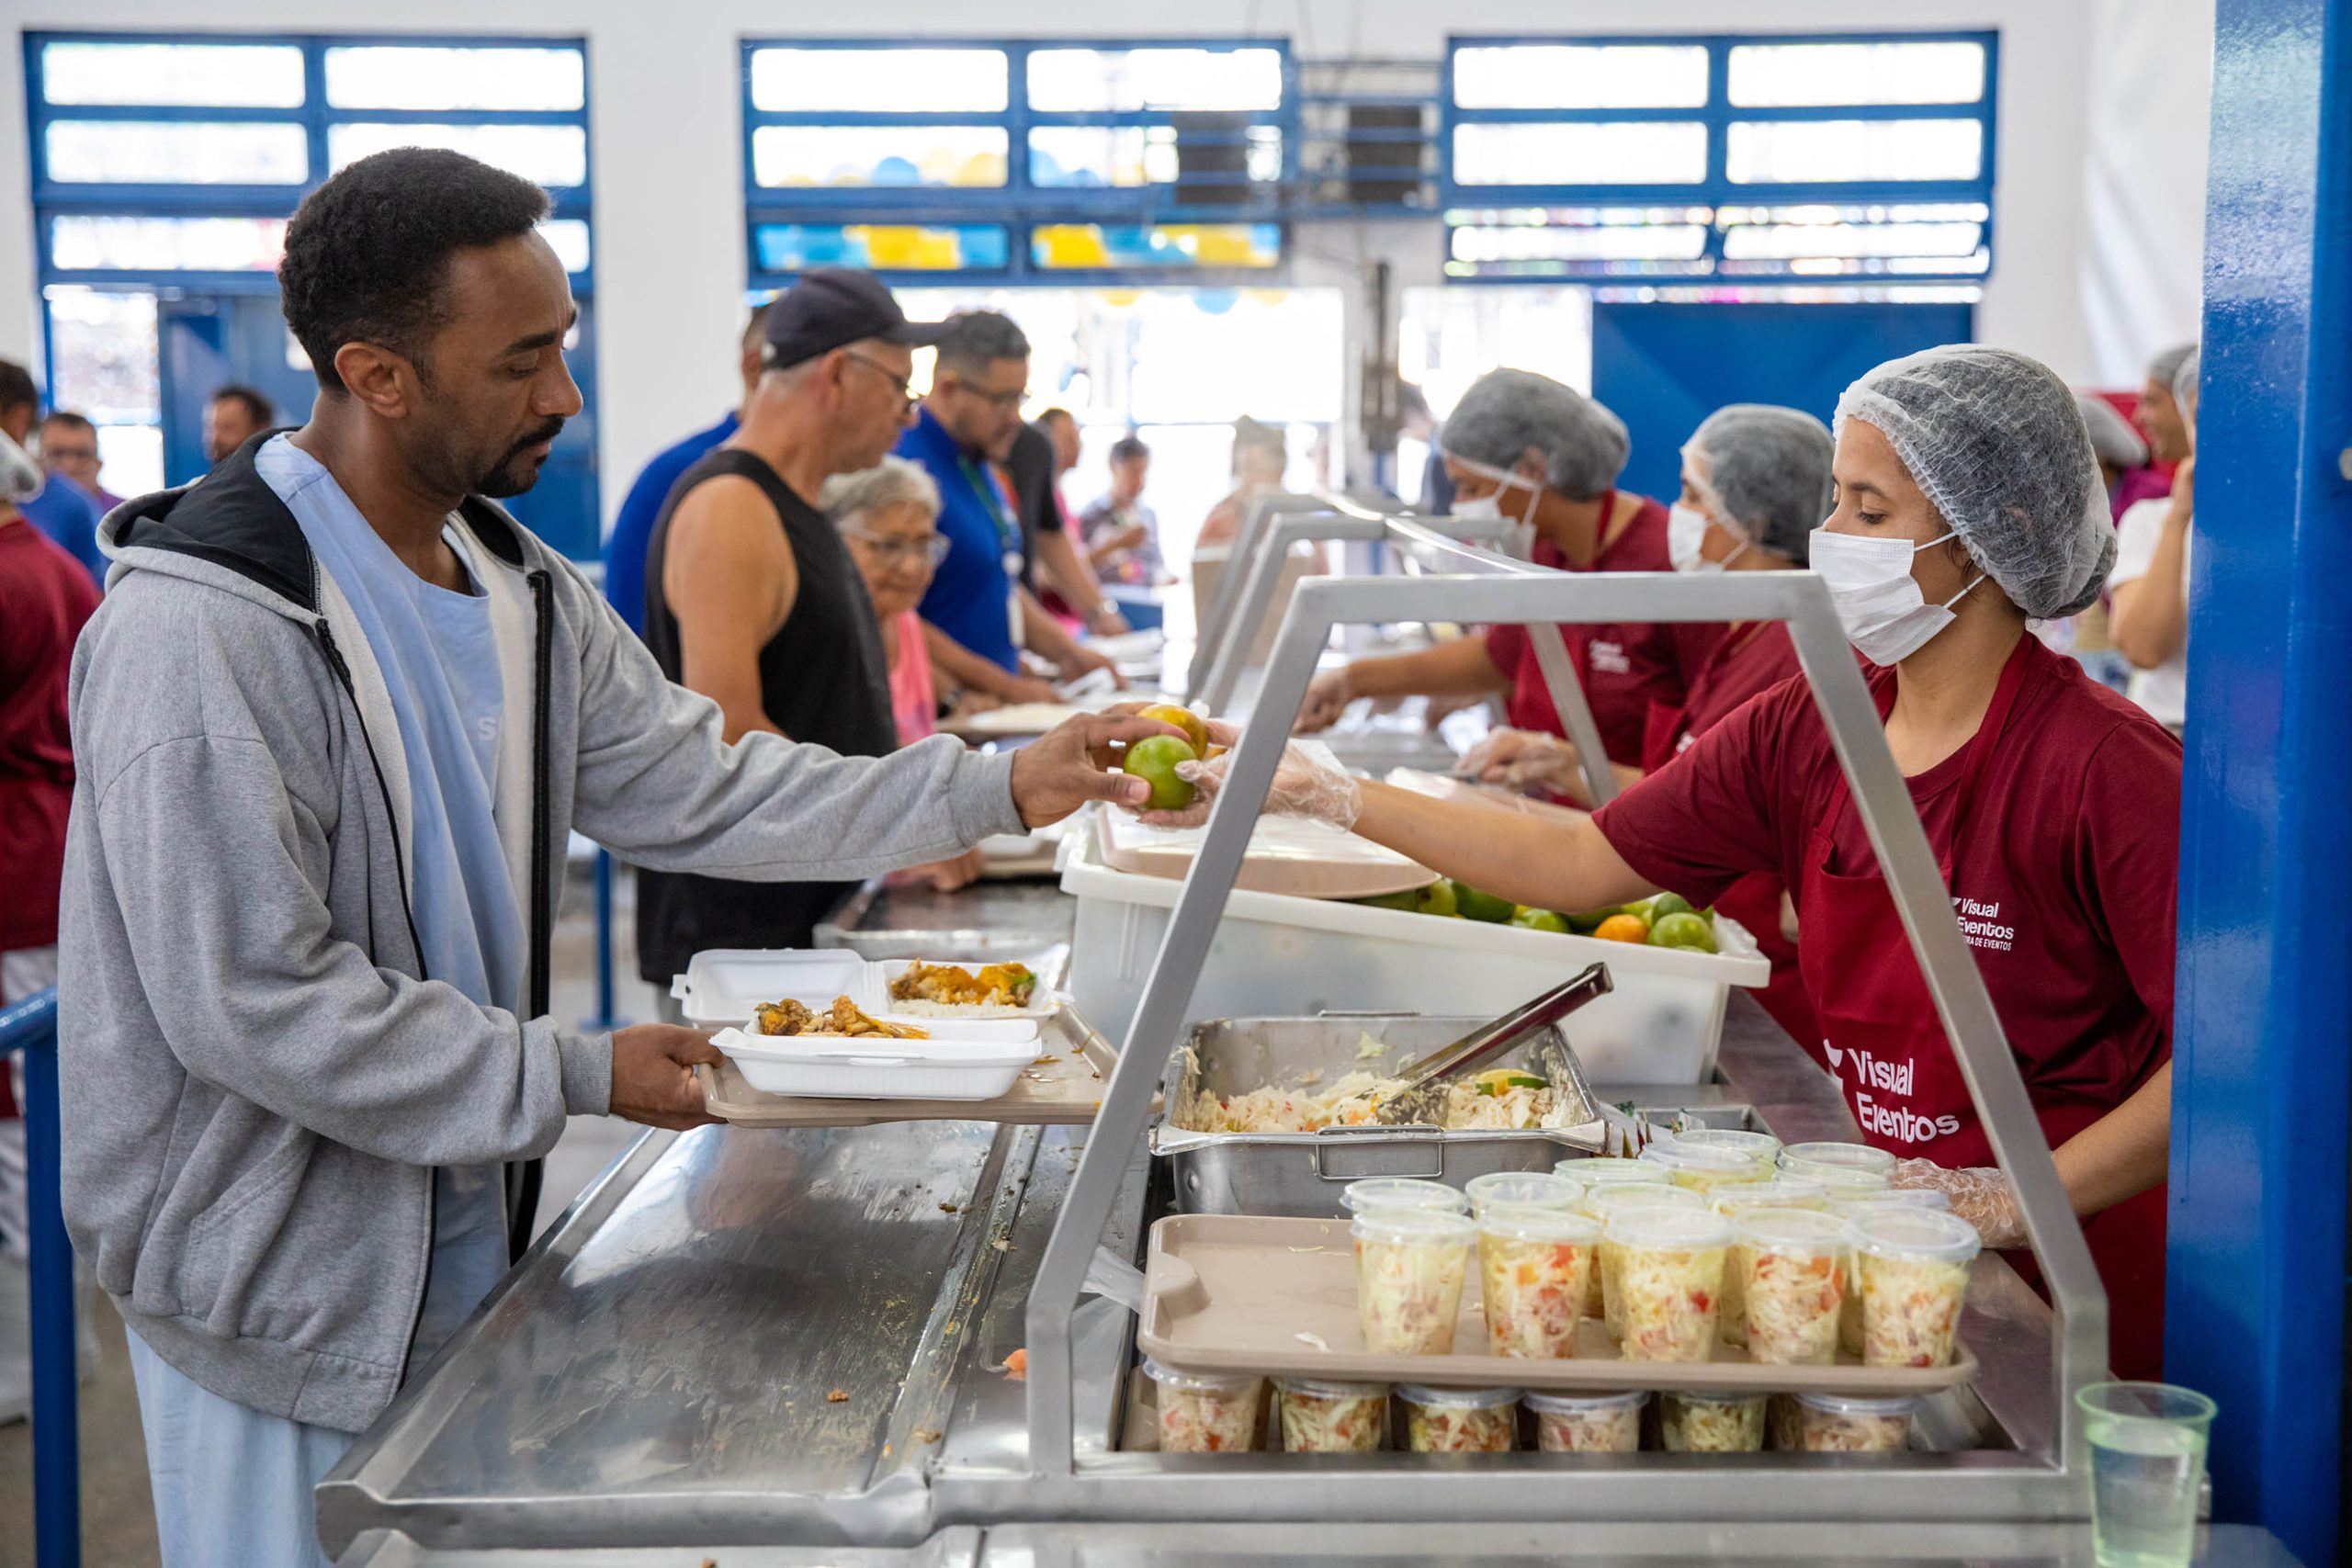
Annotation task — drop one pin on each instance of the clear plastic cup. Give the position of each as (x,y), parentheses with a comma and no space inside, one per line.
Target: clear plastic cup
(1587,1423)
(1402,1193)
(1912,1266)
(1597,1173)
(1522,1189)
(1859,1158)
(1410,1264)
(1206,1413)
(1319,1416)
(1849,1314)
(1761,1149)
(2147,1457)
(1691,1422)
(1601,1202)
(1700,1169)
(1459,1420)
(1533,1266)
(1792,1264)
(1669,1280)
(1731,1200)
(1835,1423)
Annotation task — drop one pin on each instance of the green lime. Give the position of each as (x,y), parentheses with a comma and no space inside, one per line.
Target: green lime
(1408,901)
(1153,760)
(1683,930)
(1476,906)
(1437,899)
(1588,921)
(1667,904)
(1538,919)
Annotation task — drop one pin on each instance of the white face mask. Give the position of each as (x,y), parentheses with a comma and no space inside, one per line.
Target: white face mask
(20,478)
(1686,533)
(1520,542)
(1878,601)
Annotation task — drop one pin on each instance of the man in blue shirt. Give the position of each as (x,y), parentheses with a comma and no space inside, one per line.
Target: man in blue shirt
(962,434)
(641,508)
(63,510)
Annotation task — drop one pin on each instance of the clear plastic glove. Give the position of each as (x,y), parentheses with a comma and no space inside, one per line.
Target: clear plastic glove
(1979,1193)
(1515,759)
(1305,784)
(1327,698)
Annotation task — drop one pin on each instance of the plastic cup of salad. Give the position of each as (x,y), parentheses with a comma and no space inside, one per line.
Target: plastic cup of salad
(1761,1149)
(1587,1423)
(1698,1168)
(1793,1281)
(1669,1280)
(1775,1193)
(1533,1266)
(1206,1413)
(1402,1193)
(2147,1457)
(1601,1204)
(1522,1189)
(1459,1420)
(1410,1265)
(1691,1422)
(1846,1170)
(1597,1172)
(1319,1416)
(1912,1266)
(1839,1424)
(1849,1314)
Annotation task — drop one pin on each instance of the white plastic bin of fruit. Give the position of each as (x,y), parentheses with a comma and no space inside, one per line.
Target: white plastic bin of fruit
(1279,956)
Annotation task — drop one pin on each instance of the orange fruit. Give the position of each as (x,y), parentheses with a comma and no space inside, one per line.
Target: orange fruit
(1623,928)
(1194,728)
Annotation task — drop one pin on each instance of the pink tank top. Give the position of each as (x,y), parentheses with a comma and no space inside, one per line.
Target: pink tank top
(915,702)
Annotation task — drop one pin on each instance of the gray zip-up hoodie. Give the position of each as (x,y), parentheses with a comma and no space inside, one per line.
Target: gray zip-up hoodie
(258,1077)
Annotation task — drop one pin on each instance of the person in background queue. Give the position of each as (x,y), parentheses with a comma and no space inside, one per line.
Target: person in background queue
(1968,500)
(1755,485)
(2122,453)
(233,415)
(1122,534)
(1261,457)
(965,430)
(641,508)
(69,446)
(61,508)
(1545,459)
(333,730)
(1059,575)
(2150,583)
(2160,419)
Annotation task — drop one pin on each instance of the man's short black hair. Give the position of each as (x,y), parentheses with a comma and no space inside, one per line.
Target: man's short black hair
(257,406)
(1050,415)
(69,420)
(1127,448)
(368,252)
(978,339)
(17,387)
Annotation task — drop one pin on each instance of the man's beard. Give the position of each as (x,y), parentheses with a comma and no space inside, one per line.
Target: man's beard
(513,473)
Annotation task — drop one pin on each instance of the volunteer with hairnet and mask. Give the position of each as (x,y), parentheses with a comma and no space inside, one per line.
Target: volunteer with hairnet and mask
(1544,457)
(1968,500)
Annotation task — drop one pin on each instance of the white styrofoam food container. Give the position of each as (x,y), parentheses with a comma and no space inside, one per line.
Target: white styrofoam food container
(1279,956)
(724,985)
(970,1061)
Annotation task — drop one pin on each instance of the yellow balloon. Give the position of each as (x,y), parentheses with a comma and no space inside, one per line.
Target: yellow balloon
(1073,245)
(889,246)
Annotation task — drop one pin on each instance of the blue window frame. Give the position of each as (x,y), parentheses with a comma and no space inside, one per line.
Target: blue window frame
(1729,159)
(1076,161)
(166,165)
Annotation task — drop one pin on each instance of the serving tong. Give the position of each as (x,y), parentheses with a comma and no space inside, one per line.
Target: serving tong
(1422,1098)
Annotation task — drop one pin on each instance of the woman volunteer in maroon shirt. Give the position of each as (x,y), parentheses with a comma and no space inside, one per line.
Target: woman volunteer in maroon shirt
(1968,500)
(1545,459)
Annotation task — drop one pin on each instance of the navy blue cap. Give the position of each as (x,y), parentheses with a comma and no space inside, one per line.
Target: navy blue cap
(835,306)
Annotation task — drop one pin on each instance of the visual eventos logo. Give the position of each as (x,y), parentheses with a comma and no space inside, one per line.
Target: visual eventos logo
(1981,924)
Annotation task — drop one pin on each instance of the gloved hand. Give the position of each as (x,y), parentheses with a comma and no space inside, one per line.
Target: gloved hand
(1327,698)
(1979,1193)
(1307,783)
(1518,758)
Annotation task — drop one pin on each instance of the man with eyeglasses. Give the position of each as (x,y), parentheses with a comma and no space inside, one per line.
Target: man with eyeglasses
(752,600)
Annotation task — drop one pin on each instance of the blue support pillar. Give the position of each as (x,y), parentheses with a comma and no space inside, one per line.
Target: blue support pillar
(31,1025)
(2263,1058)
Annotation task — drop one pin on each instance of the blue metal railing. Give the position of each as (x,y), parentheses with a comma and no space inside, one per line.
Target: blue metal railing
(30,1026)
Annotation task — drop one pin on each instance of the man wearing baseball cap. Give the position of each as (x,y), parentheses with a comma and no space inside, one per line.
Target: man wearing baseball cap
(752,598)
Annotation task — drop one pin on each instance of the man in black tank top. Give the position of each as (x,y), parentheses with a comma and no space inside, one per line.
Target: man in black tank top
(752,598)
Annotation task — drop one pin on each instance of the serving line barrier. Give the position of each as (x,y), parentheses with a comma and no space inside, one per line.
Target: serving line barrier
(2045,1482)
(30,1026)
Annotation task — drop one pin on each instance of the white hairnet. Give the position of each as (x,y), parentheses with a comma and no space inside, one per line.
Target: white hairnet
(2164,367)
(2112,438)
(1995,441)
(20,478)
(1506,411)
(2184,380)
(1767,472)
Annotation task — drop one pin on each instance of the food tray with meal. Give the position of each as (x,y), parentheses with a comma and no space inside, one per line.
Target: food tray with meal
(1229,1294)
(726,986)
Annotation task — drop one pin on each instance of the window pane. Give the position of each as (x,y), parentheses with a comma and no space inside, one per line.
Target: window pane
(239,75)
(1090,155)
(878,156)
(567,237)
(1584,152)
(1760,241)
(104,346)
(796,247)
(1578,76)
(553,155)
(1804,152)
(940,80)
(401,78)
(1126,80)
(1663,241)
(172,152)
(130,458)
(1784,73)
(167,245)
(1072,246)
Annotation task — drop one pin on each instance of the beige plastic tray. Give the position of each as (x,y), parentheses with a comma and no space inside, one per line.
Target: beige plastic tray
(1063,1087)
(1233,1292)
(1305,860)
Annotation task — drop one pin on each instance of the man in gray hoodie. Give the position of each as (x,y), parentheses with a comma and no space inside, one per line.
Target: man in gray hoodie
(335,724)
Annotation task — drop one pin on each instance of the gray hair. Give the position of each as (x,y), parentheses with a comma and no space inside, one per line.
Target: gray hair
(977,339)
(1507,412)
(894,481)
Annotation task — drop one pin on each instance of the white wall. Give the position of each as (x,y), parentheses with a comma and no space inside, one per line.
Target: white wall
(669,186)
